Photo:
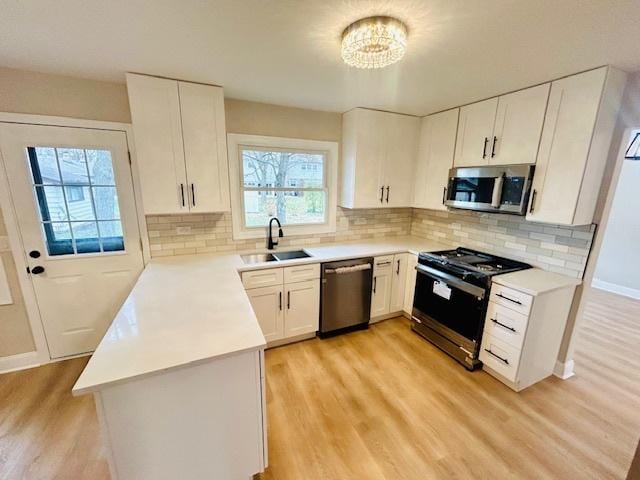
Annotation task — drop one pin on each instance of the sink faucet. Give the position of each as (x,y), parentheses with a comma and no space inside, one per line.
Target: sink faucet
(270,242)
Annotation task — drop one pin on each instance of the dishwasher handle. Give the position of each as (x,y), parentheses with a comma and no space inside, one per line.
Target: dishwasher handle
(349,269)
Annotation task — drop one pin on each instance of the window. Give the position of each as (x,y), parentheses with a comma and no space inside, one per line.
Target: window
(293,180)
(78,200)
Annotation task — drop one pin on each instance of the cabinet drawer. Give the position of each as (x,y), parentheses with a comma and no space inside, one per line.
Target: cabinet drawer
(382,263)
(510,298)
(505,324)
(301,273)
(500,357)
(262,278)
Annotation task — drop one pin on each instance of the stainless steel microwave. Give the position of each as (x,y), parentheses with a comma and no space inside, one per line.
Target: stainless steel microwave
(499,188)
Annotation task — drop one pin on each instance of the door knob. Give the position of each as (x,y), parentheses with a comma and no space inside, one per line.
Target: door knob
(37,270)
(34,254)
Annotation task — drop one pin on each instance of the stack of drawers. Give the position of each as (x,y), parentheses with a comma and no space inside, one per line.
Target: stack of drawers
(504,330)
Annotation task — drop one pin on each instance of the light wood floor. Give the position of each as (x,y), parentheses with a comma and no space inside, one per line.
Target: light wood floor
(382,404)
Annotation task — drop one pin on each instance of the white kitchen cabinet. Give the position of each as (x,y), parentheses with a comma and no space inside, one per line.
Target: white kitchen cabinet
(519,119)
(398,282)
(381,288)
(475,129)
(524,326)
(205,147)
(378,159)
(267,303)
(435,158)
(180,139)
(410,289)
(576,137)
(302,308)
(502,131)
(286,301)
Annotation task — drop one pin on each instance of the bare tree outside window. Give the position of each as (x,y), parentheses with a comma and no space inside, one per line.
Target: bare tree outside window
(288,184)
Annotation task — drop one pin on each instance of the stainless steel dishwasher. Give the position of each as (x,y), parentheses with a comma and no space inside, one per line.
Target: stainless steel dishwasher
(345,297)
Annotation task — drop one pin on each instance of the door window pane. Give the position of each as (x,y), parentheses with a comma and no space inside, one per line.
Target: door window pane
(79,209)
(72,165)
(106,201)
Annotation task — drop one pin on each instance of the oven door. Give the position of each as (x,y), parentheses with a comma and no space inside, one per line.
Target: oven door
(452,307)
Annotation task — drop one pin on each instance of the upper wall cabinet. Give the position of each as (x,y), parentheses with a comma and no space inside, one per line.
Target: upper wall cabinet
(503,130)
(378,158)
(578,127)
(435,158)
(181,145)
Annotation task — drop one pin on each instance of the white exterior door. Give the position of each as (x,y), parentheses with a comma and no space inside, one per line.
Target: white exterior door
(303,308)
(72,192)
(267,304)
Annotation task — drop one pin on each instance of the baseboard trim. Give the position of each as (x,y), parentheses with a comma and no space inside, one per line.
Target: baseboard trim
(613,288)
(20,361)
(564,370)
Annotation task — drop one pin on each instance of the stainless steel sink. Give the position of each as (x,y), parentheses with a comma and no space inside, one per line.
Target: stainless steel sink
(291,255)
(258,258)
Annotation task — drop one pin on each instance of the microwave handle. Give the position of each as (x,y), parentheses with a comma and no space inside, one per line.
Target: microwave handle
(496,197)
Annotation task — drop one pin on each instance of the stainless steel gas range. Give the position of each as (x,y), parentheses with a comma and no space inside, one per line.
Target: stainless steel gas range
(451,297)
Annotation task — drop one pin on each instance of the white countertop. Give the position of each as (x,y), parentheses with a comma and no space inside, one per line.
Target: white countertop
(535,281)
(190,309)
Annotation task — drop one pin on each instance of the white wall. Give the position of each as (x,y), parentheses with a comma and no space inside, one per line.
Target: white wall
(618,267)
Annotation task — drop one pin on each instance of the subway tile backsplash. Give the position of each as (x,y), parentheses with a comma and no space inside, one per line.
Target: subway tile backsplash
(556,248)
(186,234)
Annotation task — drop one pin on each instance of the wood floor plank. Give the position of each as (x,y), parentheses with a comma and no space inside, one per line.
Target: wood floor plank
(381,404)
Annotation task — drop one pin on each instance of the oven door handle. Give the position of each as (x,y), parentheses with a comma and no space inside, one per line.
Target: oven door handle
(478,292)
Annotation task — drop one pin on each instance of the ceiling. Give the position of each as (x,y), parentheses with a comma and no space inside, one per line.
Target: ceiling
(287,52)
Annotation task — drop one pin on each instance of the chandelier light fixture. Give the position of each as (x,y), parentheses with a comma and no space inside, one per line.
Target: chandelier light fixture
(374,42)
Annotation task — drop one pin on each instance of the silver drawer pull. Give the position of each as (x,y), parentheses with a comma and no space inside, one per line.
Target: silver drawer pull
(503,325)
(510,299)
(503,360)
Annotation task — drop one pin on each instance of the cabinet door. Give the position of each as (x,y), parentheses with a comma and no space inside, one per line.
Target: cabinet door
(564,147)
(268,305)
(398,282)
(205,147)
(302,312)
(410,288)
(155,114)
(519,120)
(398,169)
(371,150)
(475,129)
(381,287)
(435,158)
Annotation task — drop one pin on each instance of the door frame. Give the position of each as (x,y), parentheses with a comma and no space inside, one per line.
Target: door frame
(16,245)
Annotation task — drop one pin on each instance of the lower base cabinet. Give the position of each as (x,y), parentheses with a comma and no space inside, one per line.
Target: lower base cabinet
(410,288)
(285,309)
(389,284)
(522,333)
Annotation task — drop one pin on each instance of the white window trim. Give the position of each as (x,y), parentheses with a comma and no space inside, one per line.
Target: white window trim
(235,140)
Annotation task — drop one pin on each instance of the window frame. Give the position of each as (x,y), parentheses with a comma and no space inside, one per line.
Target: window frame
(236,143)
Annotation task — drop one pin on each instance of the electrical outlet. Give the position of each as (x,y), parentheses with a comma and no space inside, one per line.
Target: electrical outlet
(183,230)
